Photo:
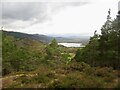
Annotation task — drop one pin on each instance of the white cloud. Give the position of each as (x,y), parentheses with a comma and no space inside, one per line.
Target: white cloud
(81,19)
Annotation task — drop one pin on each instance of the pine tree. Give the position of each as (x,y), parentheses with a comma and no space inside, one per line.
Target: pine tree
(52,50)
(54,43)
(103,50)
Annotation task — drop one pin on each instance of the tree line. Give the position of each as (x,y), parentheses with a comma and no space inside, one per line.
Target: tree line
(103,49)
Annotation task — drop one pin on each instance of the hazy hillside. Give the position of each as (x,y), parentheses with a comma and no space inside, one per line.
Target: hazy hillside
(47,39)
(38,37)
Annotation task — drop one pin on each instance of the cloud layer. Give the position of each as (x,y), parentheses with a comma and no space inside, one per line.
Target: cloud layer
(78,16)
(22,14)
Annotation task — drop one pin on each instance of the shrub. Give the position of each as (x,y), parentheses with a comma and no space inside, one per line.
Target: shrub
(40,79)
(103,71)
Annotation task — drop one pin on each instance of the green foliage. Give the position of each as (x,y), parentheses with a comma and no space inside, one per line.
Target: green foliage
(18,55)
(66,58)
(51,49)
(102,50)
(82,67)
(39,79)
(54,65)
(78,55)
(77,80)
(54,43)
(56,55)
(53,52)
(89,53)
(78,75)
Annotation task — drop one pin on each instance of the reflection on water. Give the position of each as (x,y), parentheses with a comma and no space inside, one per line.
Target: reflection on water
(71,44)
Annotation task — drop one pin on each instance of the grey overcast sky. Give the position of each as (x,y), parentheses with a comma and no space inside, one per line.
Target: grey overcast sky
(56,16)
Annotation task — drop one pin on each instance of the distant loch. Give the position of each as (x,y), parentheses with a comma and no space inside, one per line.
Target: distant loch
(71,44)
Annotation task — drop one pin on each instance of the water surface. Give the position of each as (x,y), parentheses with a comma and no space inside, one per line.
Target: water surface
(71,44)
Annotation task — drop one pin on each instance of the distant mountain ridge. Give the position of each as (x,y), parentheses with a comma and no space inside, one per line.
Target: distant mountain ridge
(47,38)
(42,38)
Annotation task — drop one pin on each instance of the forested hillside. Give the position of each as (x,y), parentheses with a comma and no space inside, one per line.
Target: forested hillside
(29,63)
(20,54)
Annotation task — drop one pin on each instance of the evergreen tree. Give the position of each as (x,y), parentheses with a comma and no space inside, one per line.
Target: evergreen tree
(52,50)
(103,50)
(54,43)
